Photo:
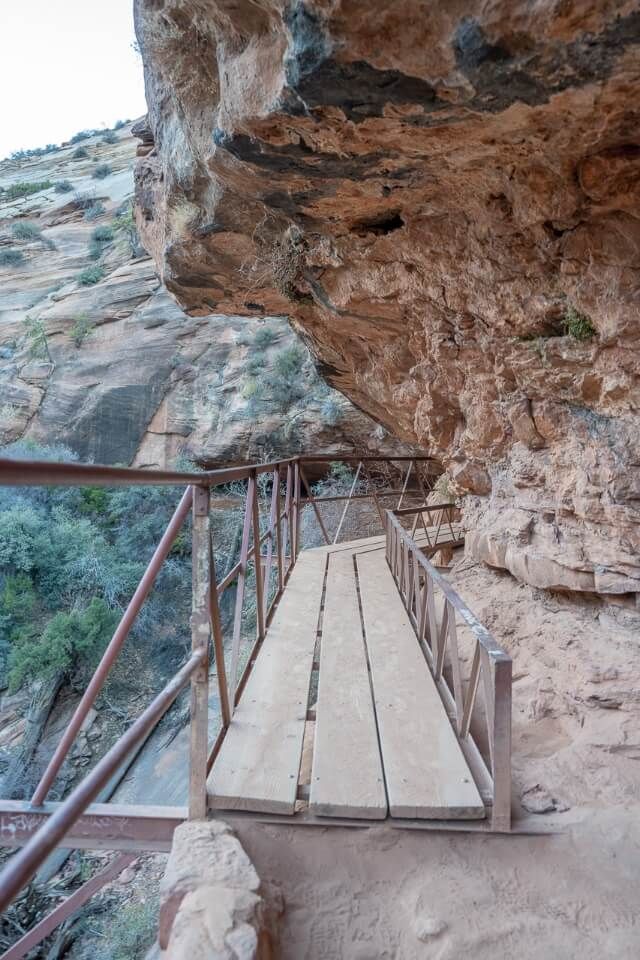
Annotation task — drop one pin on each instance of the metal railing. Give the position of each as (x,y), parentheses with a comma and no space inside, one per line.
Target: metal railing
(484,734)
(266,559)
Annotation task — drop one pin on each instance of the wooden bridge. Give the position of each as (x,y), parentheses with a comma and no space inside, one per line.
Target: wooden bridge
(369,692)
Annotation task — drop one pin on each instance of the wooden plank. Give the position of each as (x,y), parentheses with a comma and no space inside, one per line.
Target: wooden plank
(346,778)
(378,542)
(425,771)
(258,763)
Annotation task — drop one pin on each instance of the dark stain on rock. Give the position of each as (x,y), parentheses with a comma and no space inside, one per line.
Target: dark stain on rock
(502,77)
(359,89)
(309,46)
(297,159)
(499,75)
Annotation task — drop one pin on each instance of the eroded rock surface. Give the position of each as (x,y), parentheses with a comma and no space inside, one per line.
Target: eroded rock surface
(114,368)
(444,198)
(212,906)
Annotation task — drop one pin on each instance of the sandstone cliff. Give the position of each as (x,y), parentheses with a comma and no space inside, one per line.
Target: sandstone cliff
(95,354)
(444,197)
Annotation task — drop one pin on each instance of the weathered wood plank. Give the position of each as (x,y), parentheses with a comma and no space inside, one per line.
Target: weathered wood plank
(425,771)
(378,542)
(257,767)
(346,778)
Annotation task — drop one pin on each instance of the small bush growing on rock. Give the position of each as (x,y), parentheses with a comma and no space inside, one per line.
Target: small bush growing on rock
(81,328)
(255,364)
(284,391)
(26,230)
(37,337)
(250,389)
(110,136)
(102,234)
(95,251)
(443,490)
(80,153)
(35,152)
(24,188)
(288,362)
(264,336)
(11,257)
(101,171)
(81,135)
(67,638)
(91,275)
(63,186)
(94,211)
(120,124)
(331,411)
(125,224)
(578,325)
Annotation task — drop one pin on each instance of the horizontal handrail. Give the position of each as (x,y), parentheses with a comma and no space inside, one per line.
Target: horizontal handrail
(34,473)
(427,508)
(23,865)
(29,473)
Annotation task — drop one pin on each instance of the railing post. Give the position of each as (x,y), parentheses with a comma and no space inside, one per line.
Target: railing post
(297,512)
(200,634)
(501,736)
(257,558)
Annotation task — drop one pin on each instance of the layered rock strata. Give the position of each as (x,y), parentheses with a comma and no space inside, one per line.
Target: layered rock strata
(444,198)
(108,364)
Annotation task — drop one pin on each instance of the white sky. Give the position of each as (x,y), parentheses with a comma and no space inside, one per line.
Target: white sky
(65,65)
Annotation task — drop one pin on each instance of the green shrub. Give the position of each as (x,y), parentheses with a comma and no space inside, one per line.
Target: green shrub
(24,188)
(255,364)
(578,325)
(63,186)
(94,211)
(109,136)
(103,234)
(125,223)
(284,390)
(120,124)
(68,637)
(264,336)
(250,389)
(331,411)
(101,171)
(94,500)
(37,337)
(95,251)
(10,257)
(288,362)
(80,153)
(91,275)
(133,934)
(81,135)
(35,152)
(80,329)
(26,230)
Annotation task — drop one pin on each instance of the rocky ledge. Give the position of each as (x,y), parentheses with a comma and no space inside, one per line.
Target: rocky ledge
(444,199)
(96,355)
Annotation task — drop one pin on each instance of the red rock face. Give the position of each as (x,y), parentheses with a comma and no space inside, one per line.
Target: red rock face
(445,199)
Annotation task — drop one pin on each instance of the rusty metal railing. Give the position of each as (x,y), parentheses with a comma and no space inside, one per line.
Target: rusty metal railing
(268,554)
(484,734)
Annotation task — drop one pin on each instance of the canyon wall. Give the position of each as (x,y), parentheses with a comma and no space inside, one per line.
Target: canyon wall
(444,199)
(96,355)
